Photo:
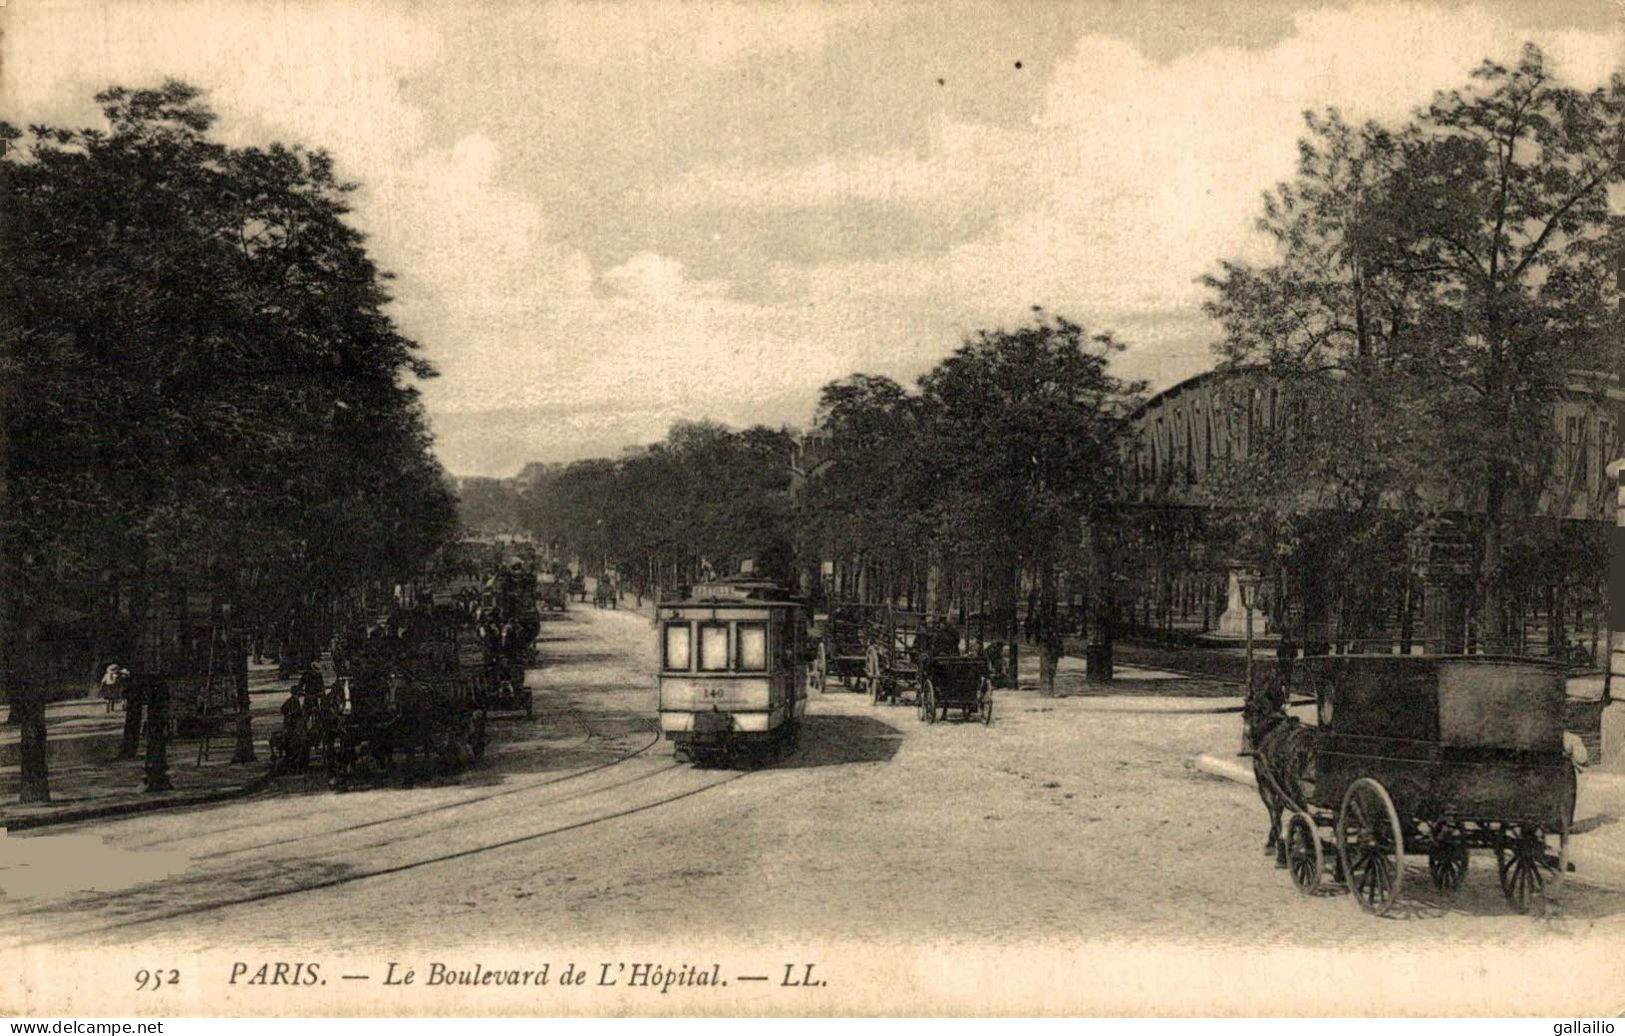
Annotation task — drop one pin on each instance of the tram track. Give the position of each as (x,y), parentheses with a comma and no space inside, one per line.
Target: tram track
(443,807)
(329,853)
(269,895)
(232,877)
(587,736)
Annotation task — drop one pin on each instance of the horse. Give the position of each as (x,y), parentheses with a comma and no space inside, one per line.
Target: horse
(1282,748)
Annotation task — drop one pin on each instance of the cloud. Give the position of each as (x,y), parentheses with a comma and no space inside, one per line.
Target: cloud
(314,72)
(631,33)
(609,216)
(658,279)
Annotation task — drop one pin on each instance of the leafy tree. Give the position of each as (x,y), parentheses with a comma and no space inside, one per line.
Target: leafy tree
(869,503)
(1025,438)
(706,492)
(200,381)
(1500,209)
(1439,287)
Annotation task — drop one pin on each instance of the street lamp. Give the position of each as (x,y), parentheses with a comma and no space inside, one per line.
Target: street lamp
(1248,580)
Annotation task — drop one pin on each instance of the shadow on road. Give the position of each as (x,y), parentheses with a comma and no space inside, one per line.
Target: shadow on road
(842,740)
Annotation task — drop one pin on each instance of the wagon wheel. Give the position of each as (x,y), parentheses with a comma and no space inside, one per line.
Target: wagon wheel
(929,693)
(1529,875)
(986,700)
(1303,853)
(1447,866)
(1371,846)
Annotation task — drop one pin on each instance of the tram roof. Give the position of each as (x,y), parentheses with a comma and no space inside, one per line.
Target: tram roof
(753,593)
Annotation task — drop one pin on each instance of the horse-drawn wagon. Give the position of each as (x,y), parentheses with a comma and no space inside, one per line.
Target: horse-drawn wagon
(392,716)
(1433,756)
(843,646)
(893,665)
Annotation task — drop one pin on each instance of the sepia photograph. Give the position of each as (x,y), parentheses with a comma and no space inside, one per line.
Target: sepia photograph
(804,508)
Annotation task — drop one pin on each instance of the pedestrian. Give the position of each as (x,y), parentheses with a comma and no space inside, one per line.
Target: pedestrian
(113,682)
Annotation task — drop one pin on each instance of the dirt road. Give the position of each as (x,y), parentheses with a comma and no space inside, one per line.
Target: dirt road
(1067,853)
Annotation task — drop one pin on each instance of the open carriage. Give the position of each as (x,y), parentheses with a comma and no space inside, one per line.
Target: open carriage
(1424,756)
(552,593)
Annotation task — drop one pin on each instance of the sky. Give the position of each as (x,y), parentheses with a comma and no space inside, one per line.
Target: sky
(603,218)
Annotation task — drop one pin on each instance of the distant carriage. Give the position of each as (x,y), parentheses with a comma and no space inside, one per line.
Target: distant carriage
(842,647)
(954,682)
(732,670)
(1434,756)
(892,664)
(553,593)
(604,595)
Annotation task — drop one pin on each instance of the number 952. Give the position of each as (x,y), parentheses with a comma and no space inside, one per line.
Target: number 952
(151,980)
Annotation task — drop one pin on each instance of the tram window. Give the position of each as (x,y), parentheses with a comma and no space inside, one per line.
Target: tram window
(714,648)
(752,646)
(677,645)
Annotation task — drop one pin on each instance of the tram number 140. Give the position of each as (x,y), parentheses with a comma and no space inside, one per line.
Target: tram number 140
(715,692)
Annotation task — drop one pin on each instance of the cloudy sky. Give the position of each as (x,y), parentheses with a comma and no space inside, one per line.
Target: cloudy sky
(607,217)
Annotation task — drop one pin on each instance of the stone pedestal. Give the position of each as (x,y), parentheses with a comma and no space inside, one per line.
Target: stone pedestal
(1233,623)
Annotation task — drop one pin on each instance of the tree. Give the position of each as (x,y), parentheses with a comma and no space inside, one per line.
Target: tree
(704,492)
(1500,209)
(200,380)
(869,504)
(1439,287)
(1024,441)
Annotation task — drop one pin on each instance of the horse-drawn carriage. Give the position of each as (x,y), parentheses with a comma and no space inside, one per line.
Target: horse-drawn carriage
(391,716)
(954,681)
(892,665)
(552,593)
(604,595)
(842,650)
(1432,756)
(578,587)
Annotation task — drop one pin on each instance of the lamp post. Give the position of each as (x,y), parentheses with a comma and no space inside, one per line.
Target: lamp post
(1612,721)
(1248,579)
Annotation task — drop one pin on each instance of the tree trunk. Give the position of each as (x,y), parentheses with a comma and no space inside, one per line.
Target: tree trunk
(157,765)
(1493,620)
(1011,608)
(237,656)
(1100,608)
(1050,643)
(28,706)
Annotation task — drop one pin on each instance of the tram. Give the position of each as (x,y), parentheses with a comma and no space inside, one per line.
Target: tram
(733,670)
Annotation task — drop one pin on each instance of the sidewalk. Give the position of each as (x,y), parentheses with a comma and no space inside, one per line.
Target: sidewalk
(88,781)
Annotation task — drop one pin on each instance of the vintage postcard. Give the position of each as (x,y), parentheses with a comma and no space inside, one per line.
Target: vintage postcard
(811,508)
